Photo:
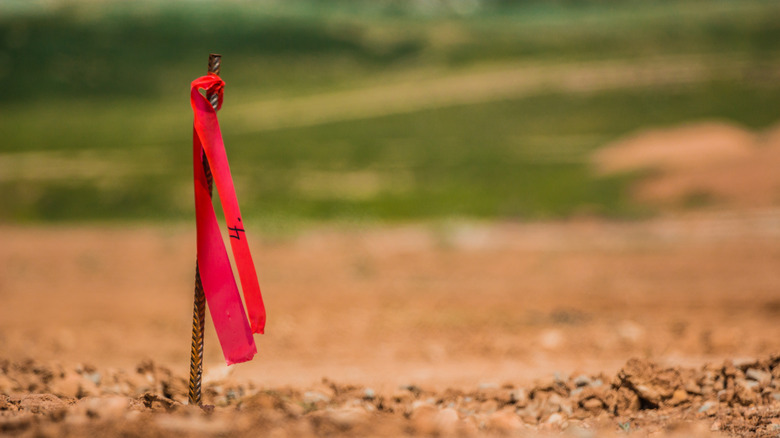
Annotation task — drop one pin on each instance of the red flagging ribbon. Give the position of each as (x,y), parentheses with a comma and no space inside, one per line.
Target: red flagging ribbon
(219,284)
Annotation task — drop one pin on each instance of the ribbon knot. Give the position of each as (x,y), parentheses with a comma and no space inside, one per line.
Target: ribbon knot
(216,88)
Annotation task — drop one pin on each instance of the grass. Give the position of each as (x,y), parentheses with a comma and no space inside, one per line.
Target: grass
(106,89)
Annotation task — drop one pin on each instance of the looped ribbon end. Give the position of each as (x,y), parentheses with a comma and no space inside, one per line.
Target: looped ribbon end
(233,328)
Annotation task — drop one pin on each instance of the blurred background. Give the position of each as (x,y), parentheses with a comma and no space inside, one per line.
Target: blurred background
(367,110)
(441,190)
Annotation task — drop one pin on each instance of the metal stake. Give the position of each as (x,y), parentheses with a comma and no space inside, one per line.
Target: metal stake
(199,310)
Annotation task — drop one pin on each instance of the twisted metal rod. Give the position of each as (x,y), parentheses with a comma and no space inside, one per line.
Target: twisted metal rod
(199,308)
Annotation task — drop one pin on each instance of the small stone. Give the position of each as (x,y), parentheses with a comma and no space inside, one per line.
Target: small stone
(679,396)
(315,397)
(347,418)
(715,426)
(649,394)
(93,377)
(745,392)
(87,388)
(519,397)
(726,395)
(369,394)
(709,408)
(592,405)
(692,388)
(762,377)
(555,419)
(582,380)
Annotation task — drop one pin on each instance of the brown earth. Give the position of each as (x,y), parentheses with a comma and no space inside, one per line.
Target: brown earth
(708,164)
(664,326)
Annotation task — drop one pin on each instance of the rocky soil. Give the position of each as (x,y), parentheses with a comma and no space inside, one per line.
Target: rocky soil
(741,398)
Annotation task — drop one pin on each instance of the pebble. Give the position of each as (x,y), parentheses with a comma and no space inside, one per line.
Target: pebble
(93,377)
(762,377)
(315,397)
(582,380)
(679,396)
(692,387)
(555,419)
(519,397)
(369,394)
(649,394)
(709,408)
(347,418)
(715,426)
(745,392)
(88,388)
(592,404)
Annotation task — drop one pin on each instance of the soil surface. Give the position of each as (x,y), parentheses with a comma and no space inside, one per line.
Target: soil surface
(666,326)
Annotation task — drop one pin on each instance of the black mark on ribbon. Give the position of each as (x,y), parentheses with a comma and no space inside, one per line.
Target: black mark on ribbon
(237,230)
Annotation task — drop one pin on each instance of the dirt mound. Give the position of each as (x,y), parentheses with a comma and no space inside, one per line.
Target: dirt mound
(700,165)
(739,397)
(684,147)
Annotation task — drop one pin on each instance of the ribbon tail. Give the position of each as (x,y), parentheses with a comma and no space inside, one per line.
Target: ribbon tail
(219,285)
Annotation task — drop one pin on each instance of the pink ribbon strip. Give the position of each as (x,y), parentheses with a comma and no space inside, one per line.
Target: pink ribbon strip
(219,284)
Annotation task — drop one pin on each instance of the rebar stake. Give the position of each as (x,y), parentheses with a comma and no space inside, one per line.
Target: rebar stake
(199,310)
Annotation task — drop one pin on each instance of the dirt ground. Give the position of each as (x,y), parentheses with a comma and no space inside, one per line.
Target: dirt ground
(661,326)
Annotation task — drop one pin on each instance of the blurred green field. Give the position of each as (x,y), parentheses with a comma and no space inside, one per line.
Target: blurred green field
(364,111)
